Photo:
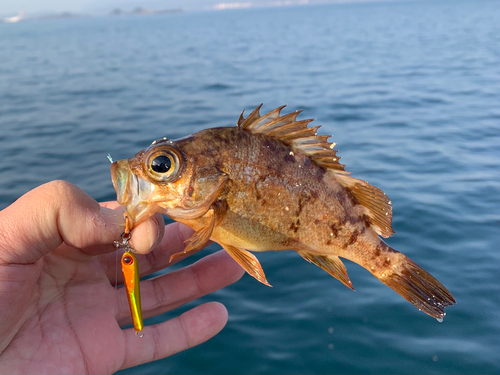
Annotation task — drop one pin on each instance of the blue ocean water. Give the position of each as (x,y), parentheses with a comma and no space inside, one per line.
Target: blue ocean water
(410,92)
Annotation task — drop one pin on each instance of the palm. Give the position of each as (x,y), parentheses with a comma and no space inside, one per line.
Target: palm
(62,314)
(70,315)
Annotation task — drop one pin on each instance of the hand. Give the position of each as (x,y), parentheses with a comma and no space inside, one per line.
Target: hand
(59,310)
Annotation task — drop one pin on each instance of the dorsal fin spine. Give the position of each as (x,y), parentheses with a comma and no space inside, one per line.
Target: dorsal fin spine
(280,121)
(268,118)
(241,119)
(290,130)
(300,133)
(294,133)
(250,120)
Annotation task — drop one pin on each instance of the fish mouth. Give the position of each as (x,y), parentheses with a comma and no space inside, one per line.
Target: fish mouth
(132,192)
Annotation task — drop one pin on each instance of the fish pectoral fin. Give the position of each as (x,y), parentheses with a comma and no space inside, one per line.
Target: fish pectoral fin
(248,262)
(331,264)
(198,240)
(195,242)
(200,195)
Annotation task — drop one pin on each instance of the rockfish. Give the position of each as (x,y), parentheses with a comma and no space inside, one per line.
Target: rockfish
(272,183)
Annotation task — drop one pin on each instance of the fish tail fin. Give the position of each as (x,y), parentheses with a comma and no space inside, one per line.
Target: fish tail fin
(414,284)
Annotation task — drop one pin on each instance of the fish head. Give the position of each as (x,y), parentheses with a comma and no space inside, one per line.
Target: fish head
(150,181)
(170,177)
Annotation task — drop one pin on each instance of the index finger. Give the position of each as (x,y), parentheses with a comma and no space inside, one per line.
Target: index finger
(52,214)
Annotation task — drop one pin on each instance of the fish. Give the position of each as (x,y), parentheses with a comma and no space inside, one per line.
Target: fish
(271,183)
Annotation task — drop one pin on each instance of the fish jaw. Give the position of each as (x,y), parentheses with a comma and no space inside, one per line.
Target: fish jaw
(132,192)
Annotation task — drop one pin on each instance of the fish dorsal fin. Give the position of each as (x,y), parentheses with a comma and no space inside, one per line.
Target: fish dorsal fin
(294,133)
(303,139)
(377,204)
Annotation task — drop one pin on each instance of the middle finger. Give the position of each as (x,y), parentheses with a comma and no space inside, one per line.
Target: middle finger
(169,291)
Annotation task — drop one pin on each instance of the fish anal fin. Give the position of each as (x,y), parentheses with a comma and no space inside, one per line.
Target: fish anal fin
(377,204)
(199,239)
(331,264)
(248,262)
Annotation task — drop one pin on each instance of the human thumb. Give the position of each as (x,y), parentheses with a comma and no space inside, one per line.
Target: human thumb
(51,214)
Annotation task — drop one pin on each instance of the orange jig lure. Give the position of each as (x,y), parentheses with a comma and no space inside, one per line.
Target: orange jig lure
(130,270)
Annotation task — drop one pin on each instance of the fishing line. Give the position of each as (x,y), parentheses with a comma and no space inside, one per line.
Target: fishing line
(116,269)
(117,255)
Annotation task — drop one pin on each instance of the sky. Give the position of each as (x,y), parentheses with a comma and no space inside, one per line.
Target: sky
(12,7)
(43,7)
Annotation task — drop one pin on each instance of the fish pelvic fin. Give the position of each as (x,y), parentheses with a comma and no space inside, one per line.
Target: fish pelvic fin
(248,262)
(331,264)
(416,285)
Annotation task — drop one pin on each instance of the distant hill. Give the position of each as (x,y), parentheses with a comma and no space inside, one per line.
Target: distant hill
(144,11)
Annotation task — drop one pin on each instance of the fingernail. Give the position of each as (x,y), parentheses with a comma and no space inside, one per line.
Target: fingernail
(153,232)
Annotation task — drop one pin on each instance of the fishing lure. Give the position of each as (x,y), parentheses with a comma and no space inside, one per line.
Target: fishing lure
(130,270)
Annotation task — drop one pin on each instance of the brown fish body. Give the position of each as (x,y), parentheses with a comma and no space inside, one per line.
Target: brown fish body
(279,200)
(272,184)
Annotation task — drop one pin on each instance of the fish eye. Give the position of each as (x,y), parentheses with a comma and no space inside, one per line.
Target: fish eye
(161,164)
(164,164)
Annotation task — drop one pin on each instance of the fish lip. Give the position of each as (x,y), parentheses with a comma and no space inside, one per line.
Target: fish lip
(120,175)
(132,192)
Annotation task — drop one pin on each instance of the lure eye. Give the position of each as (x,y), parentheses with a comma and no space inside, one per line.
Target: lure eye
(164,164)
(128,260)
